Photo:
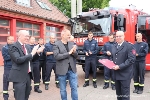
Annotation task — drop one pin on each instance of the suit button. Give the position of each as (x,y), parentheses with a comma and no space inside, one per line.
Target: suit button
(116,58)
(116,54)
(115,62)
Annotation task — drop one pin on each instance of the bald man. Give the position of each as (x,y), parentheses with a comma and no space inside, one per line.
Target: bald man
(65,55)
(7,66)
(139,66)
(123,56)
(21,71)
(50,62)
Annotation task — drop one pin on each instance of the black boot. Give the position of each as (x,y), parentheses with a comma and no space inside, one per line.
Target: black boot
(140,91)
(94,84)
(57,85)
(5,96)
(46,87)
(86,83)
(106,85)
(136,89)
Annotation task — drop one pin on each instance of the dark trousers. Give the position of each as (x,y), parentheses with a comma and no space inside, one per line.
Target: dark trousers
(49,67)
(139,72)
(109,74)
(36,75)
(123,89)
(42,66)
(22,89)
(5,83)
(90,62)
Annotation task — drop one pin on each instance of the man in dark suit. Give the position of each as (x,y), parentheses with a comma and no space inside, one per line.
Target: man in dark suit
(123,55)
(21,72)
(65,54)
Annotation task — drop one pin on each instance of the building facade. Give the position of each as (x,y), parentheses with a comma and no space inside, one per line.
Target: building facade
(39,17)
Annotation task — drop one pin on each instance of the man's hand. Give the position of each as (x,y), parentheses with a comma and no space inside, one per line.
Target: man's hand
(86,54)
(71,51)
(90,52)
(116,67)
(40,49)
(34,50)
(136,54)
(108,53)
(75,47)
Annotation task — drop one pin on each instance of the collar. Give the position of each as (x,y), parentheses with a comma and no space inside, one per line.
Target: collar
(121,43)
(20,42)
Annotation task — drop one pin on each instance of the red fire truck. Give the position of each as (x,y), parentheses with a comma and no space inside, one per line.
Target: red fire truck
(103,22)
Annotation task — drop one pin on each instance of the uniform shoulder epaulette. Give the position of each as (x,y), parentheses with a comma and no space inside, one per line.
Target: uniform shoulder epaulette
(130,43)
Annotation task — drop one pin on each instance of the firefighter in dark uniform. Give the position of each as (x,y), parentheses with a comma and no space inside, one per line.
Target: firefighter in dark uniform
(50,62)
(139,66)
(123,55)
(90,49)
(42,61)
(7,66)
(36,69)
(108,73)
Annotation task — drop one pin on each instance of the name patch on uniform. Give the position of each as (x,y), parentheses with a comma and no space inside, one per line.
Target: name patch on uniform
(134,51)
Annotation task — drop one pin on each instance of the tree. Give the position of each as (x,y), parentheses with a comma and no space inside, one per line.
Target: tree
(65,5)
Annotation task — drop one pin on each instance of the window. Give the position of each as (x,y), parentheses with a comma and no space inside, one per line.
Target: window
(50,30)
(43,5)
(26,3)
(34,29)
(4,31)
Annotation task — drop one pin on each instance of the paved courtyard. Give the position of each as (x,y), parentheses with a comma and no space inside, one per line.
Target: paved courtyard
(87,93)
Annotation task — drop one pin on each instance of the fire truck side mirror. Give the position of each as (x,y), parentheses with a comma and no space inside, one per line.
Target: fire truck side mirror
(120,20)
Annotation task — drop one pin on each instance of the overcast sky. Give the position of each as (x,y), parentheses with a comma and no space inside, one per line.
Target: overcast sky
(140,4)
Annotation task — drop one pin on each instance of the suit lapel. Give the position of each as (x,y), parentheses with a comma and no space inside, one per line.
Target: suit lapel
(28,50)
(120,48)
(20,47)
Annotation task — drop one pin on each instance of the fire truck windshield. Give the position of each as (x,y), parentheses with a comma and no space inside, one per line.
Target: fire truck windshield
(99,26)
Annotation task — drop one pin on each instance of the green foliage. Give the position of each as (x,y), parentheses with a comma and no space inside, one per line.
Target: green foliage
(65,5)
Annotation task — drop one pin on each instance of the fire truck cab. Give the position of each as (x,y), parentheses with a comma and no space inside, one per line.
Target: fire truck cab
(103,22)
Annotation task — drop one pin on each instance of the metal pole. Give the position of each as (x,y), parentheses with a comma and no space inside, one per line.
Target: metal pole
(73,8)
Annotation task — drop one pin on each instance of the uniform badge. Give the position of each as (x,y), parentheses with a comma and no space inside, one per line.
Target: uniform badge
(134,52)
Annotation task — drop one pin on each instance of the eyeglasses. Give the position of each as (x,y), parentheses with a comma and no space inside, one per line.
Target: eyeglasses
(119,36)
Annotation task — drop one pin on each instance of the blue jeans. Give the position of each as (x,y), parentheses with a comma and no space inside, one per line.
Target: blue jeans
(73,84)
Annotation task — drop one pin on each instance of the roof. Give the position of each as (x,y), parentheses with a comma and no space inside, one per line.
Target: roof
(35,10)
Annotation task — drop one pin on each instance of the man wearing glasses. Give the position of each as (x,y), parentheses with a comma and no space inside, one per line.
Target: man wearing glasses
(123,56)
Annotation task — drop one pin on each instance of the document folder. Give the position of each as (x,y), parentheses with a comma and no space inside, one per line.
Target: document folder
(106,62)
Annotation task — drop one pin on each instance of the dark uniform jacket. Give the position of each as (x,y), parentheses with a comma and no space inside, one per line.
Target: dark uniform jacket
(90,46)
(124,57)
(20,62)
(49,48)
(141,50)
(107,47)
(6,57)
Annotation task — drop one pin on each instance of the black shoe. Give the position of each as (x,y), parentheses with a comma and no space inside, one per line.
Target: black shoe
(139,92)
(38,91)
(94,85)
(135,91)
(113,88)
(57,85)
(105,87)
(85,84)
(46,87)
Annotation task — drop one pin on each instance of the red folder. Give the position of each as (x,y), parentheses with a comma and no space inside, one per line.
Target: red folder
(106,62)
